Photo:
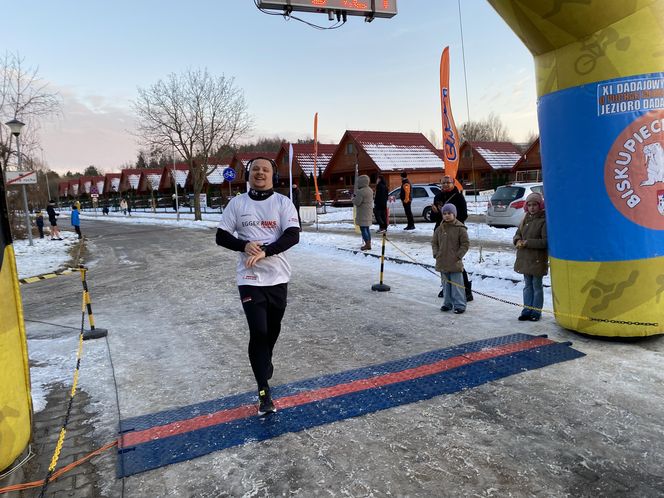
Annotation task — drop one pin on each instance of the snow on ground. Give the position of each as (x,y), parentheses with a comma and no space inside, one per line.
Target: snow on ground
(335,231)
(44,256)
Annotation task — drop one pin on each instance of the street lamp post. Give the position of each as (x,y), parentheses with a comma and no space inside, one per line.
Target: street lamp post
(15,126)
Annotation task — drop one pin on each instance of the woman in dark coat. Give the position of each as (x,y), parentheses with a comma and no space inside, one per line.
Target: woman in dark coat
(380,204)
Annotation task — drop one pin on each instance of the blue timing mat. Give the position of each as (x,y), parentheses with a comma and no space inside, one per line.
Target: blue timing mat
(172,436)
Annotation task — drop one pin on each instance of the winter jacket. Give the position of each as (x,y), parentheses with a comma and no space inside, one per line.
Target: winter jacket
(532,259)
(380,201)
(75,219)
(450,243)
(52,215)
(452,197)
(363,201)
(39,219)
(406,195)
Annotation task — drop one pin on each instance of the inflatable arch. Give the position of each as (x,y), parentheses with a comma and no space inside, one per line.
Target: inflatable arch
(600,86)
(15,399)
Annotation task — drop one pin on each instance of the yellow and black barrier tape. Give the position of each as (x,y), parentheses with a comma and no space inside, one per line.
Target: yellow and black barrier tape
(72,393)
(46,276)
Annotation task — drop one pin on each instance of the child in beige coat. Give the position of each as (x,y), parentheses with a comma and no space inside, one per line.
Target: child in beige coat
(450,243)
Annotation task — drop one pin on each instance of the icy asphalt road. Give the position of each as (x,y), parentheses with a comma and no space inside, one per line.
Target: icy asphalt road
(588,427)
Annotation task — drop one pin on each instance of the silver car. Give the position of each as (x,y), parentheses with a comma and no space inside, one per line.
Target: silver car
(422,194)
(506,206)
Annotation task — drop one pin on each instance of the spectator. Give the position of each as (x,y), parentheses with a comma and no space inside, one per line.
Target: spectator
(406,198)
(380,204)
(450,194)
(363,202)
(450,243)
(76,220)
(39,221)
(532,259)
(53,220)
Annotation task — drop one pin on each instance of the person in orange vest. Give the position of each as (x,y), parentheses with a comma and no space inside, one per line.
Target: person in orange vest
(406,197)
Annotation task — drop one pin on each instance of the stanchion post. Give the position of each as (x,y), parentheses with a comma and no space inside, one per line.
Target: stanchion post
(93,333)
(381,287)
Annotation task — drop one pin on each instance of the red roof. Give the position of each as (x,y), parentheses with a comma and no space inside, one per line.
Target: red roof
(246,156)
(396,150)
(63,189)
(529,150)
(499,155)
(304,155)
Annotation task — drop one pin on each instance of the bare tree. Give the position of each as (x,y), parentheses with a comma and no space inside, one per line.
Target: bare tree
(433,138)
(491,129)
(23,96)
(196,114)
(532,136)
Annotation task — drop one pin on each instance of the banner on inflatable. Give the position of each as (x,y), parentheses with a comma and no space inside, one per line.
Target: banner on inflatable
(600,82)
(15,401)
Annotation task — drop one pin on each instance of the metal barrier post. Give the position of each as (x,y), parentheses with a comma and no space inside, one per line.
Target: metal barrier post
(381,287)
(93,333)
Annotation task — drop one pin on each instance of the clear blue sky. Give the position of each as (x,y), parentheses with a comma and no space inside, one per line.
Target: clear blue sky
(380,76)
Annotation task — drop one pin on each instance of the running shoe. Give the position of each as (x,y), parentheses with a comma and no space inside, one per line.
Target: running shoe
(265,404)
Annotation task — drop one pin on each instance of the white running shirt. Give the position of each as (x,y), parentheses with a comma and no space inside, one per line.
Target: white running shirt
(262,222)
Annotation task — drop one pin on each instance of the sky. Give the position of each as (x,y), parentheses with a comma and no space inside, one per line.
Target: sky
(380,76)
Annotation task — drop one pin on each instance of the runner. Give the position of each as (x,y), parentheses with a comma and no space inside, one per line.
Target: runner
(265,225)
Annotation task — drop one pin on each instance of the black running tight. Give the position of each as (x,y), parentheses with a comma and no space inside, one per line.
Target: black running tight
(264,308)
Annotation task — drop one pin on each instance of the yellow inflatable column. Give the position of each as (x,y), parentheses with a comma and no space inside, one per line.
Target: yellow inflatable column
(15,401)
(600,83)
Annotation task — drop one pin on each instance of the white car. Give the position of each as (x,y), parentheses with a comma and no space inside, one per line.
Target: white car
(506,206)
(422,194)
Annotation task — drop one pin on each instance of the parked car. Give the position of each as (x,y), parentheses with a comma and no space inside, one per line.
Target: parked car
(422,193)
(506,206)
(344,198)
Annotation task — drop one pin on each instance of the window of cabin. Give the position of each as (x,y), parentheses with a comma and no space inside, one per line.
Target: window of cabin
(350,149)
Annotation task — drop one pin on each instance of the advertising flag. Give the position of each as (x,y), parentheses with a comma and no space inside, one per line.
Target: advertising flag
(318,199)
(290,170)
(450,135)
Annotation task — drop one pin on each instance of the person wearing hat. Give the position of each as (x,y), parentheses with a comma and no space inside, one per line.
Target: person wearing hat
(450,243)
(39,221)
(406,196)
(532,259)
(449,193)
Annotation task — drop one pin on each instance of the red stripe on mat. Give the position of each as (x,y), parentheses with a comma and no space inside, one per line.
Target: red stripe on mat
(215,418)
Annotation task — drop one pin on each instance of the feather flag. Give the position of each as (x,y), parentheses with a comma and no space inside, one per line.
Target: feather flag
(318,199)
(450,135)
(290,169)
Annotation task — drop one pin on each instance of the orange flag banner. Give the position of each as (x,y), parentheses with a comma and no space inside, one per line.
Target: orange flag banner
(450,135)
(318,199)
